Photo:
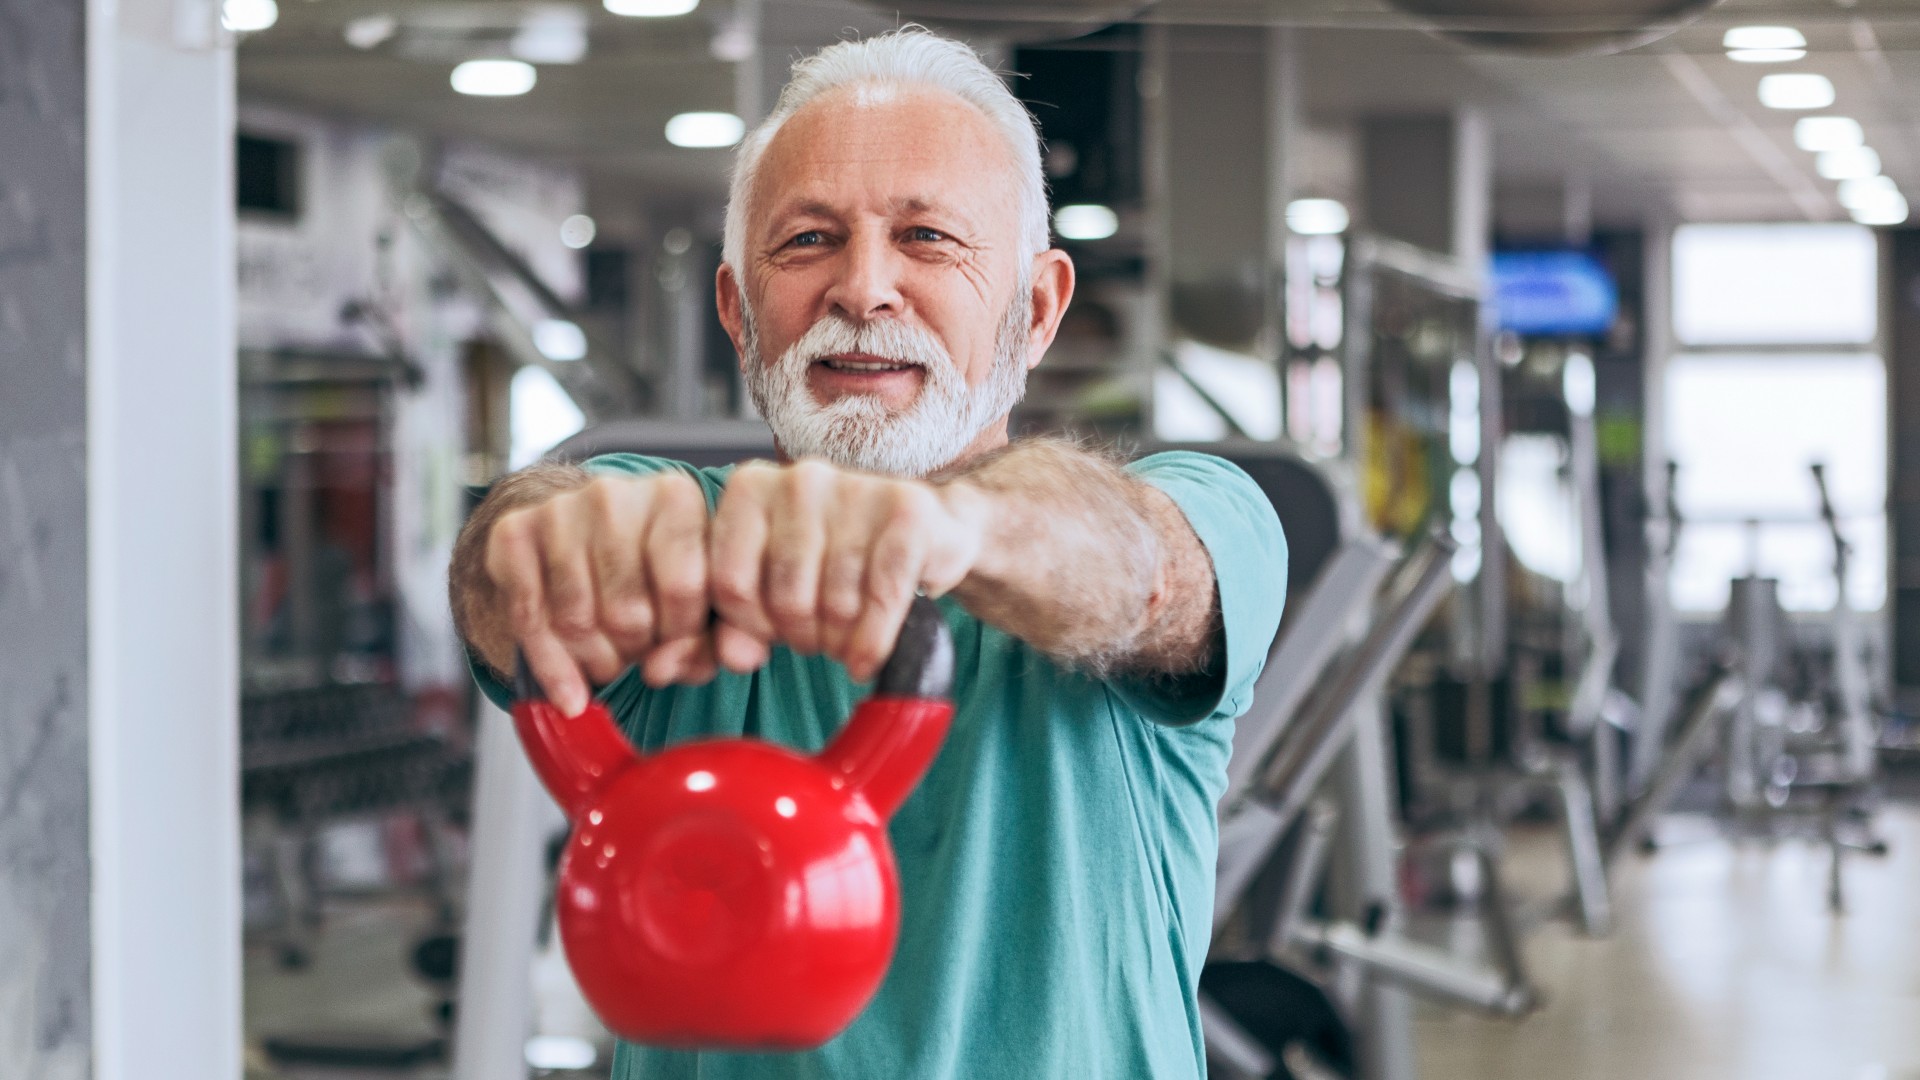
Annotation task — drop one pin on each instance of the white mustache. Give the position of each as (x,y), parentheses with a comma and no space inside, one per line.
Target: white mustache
(888,339)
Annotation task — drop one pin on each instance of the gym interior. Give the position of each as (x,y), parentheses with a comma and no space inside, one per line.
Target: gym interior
(1567,340)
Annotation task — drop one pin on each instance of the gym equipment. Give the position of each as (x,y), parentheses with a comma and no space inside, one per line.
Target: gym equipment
(1798,749)
(729,892)
(1277,830)
(1557,26)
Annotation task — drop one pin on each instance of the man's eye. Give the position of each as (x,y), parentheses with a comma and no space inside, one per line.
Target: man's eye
(925,235)
(810,238)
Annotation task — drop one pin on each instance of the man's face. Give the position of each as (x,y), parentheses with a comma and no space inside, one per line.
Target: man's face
(889,315)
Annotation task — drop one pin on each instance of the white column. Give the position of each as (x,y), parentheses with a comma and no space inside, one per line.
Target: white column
(163,635)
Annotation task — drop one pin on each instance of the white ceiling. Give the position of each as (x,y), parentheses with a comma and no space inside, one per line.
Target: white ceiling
(1671,127)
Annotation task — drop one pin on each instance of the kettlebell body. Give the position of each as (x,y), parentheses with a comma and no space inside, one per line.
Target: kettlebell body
(731,893)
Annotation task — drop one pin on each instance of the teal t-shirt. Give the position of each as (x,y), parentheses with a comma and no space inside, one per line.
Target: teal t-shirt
(1056,863)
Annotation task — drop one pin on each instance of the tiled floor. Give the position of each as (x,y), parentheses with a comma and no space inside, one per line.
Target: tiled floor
(1725,965)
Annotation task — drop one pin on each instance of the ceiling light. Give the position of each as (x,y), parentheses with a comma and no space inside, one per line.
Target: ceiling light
(1865,190)
(369,31)
(1766,56)
(1816,133)
(1317,217)
(1796,90)
(651,9)
(551,36)
(577,231)
(1849,164)
(1886,212)
(558,339)
(1085,221)
(1763,37)
(248,16)
(705,129)
(494,78)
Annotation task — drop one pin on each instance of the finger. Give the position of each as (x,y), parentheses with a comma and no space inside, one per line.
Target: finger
(842,585)
(893,577)
(676,557)
(736,550)
(625,612)
(673,661)
(738,651)
(513,565)
(796,543)
(556,673)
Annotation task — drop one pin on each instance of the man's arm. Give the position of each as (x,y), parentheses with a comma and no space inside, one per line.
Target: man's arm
(1086,562)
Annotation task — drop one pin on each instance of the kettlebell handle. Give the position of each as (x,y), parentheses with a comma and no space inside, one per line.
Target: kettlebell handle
(920,666)
(576,756)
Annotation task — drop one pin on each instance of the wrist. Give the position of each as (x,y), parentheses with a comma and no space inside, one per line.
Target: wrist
(972,510)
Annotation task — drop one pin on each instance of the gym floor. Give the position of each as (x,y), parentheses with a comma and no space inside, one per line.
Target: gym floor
(1725,965)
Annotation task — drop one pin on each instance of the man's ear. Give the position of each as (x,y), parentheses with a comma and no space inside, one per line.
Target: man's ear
(1052,292)
(726,297)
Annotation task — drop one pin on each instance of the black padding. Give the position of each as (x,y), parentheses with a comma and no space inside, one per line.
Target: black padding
(1277,1007)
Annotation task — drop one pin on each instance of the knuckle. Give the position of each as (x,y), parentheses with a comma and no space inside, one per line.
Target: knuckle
(681,585)
(732,588)
(629,619)
(789,604)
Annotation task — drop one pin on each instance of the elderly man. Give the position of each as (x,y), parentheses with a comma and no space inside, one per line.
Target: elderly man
(888,284)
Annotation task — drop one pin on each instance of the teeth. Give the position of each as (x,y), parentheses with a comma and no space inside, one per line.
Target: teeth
(854,365)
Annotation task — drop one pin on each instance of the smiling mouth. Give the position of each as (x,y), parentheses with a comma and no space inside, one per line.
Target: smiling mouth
(864,365)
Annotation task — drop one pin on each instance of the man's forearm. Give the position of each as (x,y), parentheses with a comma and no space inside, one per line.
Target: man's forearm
(478,615)
(1085,562)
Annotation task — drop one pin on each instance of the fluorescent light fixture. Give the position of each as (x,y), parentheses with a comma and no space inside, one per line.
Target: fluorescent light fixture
(577,231)
(558,339)
(248,16)
(1866,190)
(551,36)
(561,1053)
(1850,164)
(1796,90)
(651,9)
(1766,56)
(1085,221)
(1763,37)
(494,78)
(369,31)
(1890,212)
(1317,217)
(705,129)
(1816,133)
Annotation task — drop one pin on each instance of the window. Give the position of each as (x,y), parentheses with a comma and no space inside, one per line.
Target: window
(1747,412)
(1774,285)
(1744,429)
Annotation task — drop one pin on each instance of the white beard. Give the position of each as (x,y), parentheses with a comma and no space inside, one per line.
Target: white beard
(861,432)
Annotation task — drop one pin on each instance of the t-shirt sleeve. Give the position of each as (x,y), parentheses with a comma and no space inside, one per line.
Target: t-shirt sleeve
(604,465)
(1242,535)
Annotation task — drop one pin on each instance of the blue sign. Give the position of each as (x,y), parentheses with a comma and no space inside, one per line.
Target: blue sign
(1553,293)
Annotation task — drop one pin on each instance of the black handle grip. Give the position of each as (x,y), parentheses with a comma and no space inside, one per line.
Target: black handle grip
(922,662)
(920,666)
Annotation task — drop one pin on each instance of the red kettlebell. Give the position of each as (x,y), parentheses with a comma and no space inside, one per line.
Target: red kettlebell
(730,893)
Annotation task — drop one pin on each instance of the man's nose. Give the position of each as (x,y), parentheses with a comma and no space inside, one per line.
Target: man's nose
(868,284)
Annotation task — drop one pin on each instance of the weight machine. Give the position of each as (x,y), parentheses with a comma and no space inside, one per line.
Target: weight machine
(1310,970)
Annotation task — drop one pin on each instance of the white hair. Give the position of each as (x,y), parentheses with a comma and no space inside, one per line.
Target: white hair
(911,57)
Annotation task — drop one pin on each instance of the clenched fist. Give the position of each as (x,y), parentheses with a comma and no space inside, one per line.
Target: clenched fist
(612,571)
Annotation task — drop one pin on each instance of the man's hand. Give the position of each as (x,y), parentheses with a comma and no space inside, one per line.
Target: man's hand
(590,580)
(826,561)
(588,575)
